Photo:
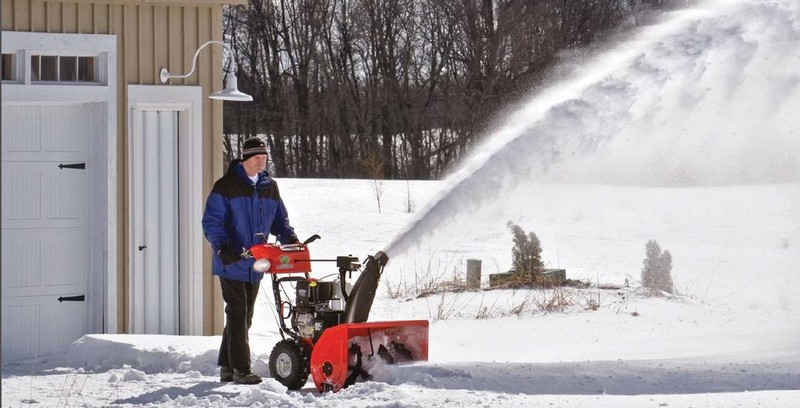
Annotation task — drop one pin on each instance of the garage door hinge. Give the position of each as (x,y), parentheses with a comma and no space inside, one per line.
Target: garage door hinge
(72,166)
(79,298)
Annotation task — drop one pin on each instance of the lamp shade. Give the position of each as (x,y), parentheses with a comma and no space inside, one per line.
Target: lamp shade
(231,91)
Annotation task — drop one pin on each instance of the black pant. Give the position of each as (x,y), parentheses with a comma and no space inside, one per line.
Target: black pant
(240,301)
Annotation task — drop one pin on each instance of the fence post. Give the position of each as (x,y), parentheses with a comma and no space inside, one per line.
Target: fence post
(474,273)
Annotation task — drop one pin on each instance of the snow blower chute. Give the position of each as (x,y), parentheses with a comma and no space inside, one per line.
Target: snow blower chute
(325,331)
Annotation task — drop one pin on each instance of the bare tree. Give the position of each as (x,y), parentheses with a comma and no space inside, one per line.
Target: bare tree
(410,83)
(375,170)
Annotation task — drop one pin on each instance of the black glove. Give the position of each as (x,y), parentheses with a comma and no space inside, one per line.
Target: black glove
(227,256)
(292,240)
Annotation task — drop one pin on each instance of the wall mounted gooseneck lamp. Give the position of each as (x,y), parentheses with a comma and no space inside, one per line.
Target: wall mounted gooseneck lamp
(231,91)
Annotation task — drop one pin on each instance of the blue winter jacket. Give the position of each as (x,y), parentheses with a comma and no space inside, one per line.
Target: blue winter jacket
(237,210)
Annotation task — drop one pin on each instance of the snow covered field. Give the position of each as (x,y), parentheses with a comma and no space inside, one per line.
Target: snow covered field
(734,341)
(689,135)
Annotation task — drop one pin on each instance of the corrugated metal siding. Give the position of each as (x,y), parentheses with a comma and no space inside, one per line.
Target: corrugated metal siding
(150,35)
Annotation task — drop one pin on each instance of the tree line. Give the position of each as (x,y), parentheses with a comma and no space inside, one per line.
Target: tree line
(395,89)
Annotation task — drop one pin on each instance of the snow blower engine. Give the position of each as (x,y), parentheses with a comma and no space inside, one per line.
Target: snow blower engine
(325,332)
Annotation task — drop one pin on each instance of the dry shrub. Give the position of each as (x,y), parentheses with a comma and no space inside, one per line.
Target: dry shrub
(483,313)
(520,307)
(553,300)
(429,278)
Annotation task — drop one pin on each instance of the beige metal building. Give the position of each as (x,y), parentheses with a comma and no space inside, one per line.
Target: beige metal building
(105,169)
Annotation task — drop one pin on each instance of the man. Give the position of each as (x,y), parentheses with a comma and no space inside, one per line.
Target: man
(243,204)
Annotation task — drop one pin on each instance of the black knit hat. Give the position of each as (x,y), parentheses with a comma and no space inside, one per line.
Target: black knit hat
(252,147)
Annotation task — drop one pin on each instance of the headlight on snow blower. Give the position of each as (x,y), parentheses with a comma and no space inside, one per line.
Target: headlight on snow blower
(261,265)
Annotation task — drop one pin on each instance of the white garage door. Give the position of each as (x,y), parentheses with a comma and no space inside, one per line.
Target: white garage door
(44,227)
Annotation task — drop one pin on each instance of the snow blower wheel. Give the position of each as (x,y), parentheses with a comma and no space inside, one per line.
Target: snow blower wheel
(288,364)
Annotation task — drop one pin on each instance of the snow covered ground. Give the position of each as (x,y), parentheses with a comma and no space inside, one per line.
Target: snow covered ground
(687,135)
(734,340)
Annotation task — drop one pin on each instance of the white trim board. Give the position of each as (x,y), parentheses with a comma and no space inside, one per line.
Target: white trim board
(59,44)
(54,94)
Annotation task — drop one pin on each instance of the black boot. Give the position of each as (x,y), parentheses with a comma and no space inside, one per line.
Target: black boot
(245,377)
(225,374)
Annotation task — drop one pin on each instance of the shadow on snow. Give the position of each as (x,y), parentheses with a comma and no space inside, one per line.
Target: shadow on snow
(603,377)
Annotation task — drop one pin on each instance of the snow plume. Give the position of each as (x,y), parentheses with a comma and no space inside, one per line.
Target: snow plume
(709,97)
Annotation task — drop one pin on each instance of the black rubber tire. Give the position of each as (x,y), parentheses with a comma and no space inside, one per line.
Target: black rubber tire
(289,364)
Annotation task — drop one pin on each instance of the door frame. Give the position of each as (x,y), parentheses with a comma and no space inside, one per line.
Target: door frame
(101,152)
(188,101)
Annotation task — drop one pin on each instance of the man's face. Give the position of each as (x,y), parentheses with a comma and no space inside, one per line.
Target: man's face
(255,164)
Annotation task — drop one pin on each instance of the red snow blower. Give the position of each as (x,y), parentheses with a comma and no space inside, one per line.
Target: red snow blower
(325,332)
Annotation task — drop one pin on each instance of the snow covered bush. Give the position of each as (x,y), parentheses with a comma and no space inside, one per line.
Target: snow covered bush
(657,270)
(526,255)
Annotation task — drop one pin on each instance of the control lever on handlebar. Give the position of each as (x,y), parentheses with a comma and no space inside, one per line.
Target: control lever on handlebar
(311,239)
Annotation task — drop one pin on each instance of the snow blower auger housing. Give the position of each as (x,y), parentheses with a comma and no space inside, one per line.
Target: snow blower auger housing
(325,331)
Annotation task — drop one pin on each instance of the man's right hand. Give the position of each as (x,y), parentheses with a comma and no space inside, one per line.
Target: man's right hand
(227,256)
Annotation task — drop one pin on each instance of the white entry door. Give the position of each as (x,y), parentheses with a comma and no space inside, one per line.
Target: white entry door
(45,266)
(154,222)
(165,201)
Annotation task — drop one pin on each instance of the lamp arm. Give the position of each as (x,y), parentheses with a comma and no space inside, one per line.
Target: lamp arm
(164,75)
